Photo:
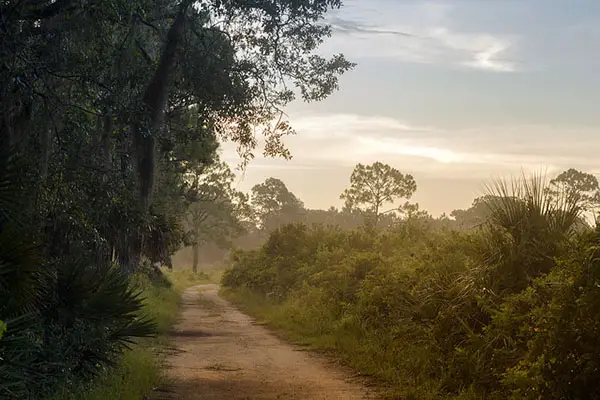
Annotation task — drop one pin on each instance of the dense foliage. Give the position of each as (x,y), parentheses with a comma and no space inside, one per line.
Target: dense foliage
(111,114)
(106,110)
(65,316)
(509,310)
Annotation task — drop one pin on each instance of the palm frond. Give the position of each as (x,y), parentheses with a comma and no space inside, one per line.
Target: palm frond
(525,203)
(528,225)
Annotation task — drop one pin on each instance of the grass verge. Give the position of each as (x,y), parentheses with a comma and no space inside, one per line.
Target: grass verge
(365,353)
(272,315)
(139,370)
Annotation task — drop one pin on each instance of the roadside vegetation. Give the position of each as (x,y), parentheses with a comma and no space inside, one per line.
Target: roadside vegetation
(499,302)
(140,368)
(111,118)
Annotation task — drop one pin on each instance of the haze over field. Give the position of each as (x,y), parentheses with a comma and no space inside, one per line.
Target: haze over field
(454,94)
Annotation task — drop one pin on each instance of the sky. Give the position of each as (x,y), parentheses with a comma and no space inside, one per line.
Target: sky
(455,93)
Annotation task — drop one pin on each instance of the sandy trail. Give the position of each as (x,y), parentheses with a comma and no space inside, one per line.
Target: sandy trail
(219,353)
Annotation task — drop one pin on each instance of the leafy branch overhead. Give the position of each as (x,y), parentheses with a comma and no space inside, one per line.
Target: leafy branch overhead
(136,64)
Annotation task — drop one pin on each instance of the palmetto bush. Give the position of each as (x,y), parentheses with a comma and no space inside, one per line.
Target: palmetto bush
(528,228)
(66,318)
(560,321)
(528,234)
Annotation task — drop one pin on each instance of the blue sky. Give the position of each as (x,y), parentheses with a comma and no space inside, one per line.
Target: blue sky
(455,92)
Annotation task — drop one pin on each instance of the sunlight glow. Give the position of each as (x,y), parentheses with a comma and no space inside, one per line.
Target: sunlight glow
(399,147)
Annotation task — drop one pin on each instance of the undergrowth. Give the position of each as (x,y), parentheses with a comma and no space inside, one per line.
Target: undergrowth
(140,369)
(508,311)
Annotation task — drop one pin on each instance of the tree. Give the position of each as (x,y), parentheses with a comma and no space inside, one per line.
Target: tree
(216,210)
(574,183)
(373,186)
(112,104)
(274,205)
(414,211)
(126,88)
(474,216)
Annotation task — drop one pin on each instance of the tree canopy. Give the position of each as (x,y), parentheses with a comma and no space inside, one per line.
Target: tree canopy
(373,186)
(106,108)
(137,92)
(573,183)
(274,204)
(474,216)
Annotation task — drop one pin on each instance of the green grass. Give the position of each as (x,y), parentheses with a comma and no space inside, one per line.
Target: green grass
(275,317)
(140,368)
(373,356)
(134,377)
(184,278)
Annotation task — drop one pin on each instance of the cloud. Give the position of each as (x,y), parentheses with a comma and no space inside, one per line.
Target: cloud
(481,51)
(423,36)
(323,125)
(349,26)
(342,140)
(450,165)
(393,147)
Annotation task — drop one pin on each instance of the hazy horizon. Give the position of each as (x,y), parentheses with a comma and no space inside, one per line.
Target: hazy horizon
(454,94)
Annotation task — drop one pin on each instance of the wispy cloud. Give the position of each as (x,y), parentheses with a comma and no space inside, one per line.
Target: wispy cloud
(342,140)
(423,35)
(481,51)
(349,26)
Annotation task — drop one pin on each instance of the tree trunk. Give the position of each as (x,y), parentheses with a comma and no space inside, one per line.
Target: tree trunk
(155,100)
(129,254)
(376,216)
(195,255)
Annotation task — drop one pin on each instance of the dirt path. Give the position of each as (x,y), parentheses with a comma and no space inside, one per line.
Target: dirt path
(221,354)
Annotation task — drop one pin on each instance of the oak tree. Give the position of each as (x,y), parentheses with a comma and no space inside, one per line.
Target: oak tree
(573,183)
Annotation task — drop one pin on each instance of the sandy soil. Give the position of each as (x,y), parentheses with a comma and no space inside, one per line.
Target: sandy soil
(219,353)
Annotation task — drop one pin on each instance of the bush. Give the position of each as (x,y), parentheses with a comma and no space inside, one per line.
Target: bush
(138,370)
(559,330)
(79,323)
(66,317)
(510,310)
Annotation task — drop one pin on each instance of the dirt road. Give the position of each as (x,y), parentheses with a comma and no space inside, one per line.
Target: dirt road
(219,353)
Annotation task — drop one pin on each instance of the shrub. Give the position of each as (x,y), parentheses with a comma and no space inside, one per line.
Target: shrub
(509,310)
(65,318)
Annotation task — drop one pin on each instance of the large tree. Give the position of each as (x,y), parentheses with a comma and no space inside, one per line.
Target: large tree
(573,183)
(373,186)
(110,104)
(274,205)
(216,210)
(127,88)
